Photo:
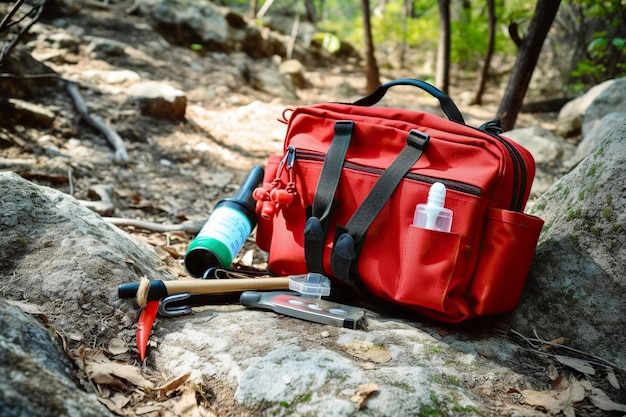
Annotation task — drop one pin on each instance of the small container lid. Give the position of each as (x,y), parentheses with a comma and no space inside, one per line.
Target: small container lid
(310,285)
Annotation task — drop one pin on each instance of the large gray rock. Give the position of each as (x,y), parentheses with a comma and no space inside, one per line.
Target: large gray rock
(610,100)
(288,366)
(576,288)
(203,22)
(36,378)
(549,152)
(202,19)
(570,119)
(609,123)
(66,259)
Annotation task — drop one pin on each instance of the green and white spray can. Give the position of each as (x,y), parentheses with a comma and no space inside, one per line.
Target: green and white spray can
(229,225)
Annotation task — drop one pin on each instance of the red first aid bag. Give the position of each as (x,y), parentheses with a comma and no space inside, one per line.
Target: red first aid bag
(341,201)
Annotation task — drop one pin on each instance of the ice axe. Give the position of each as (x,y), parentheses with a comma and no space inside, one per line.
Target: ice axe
(158,289)
(151,292)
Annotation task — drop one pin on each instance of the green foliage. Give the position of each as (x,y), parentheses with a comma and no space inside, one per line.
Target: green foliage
(420,31)
(330,42)
(606,51)
(342,20)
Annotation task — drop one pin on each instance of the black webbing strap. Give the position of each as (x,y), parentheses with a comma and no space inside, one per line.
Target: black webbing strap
(348,239)
(315,229)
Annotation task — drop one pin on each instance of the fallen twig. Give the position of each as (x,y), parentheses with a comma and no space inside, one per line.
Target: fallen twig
(114,139)
(32,76)
(532,342)
(105,205)
(190,226)
(121,155)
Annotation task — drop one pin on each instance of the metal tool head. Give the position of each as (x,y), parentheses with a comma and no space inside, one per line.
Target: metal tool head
(167,309)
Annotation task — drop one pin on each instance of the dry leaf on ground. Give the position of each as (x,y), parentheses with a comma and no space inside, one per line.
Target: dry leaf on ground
(172,385)
(368,351)
(577,364)
(29,308)
(104,372)
(362,394)
(117,346)
(600,399)
(557,401)
(610,376)
(187,405)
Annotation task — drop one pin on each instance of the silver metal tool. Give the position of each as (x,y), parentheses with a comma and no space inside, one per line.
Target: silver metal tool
(167,309)
(305,308)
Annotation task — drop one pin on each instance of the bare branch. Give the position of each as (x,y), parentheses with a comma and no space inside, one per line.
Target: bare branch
(94,121)
(533,341)
(4,24)
(191,227)
(11,44)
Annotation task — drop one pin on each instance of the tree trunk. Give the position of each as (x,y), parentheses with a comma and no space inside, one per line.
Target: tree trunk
(511,104)
(442,76)
(254,5)
(310,11)
(406,15)
(491,43)
(371,66)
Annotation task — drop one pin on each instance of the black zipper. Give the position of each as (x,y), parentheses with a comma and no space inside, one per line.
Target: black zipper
(494,129)
(450,184)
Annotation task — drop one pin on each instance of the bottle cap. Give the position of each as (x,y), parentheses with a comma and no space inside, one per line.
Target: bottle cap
(243,200)
(437,195)
(310,285)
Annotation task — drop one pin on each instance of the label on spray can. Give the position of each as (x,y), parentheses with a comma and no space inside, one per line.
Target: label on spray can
(228,226)
(223,235)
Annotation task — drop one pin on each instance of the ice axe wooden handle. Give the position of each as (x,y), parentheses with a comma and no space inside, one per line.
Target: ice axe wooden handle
(159,289)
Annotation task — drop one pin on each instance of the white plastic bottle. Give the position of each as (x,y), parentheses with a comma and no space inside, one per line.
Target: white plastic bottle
(433,215)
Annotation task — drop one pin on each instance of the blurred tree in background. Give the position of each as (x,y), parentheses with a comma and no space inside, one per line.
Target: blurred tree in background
(589,34)
(443,39)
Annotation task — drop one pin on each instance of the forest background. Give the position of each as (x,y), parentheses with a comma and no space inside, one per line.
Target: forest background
(489,39)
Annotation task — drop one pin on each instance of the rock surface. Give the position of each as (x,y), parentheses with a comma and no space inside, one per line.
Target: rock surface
(27,349)
(549,152)
(609,123)
(571,116)
(46,239)
(158,100)
(610,100)
(579,262)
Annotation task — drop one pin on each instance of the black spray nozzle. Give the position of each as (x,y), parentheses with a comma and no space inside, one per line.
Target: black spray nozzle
(252,181)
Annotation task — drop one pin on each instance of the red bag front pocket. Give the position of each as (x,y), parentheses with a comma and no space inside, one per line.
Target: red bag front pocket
(428,269)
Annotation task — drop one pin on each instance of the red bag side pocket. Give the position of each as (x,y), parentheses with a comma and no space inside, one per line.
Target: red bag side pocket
(428,266)
(508,247)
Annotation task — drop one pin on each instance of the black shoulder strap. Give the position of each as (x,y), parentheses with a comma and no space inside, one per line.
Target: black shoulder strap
(348,239)
(315,229)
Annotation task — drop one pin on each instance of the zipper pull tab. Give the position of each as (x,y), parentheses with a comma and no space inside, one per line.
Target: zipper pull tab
(493,126)
(287,159)
(284,197)
(272,198)
(291,157)
(291,161)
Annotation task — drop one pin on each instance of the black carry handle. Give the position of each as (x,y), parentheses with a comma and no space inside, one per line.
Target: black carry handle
(447,105)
